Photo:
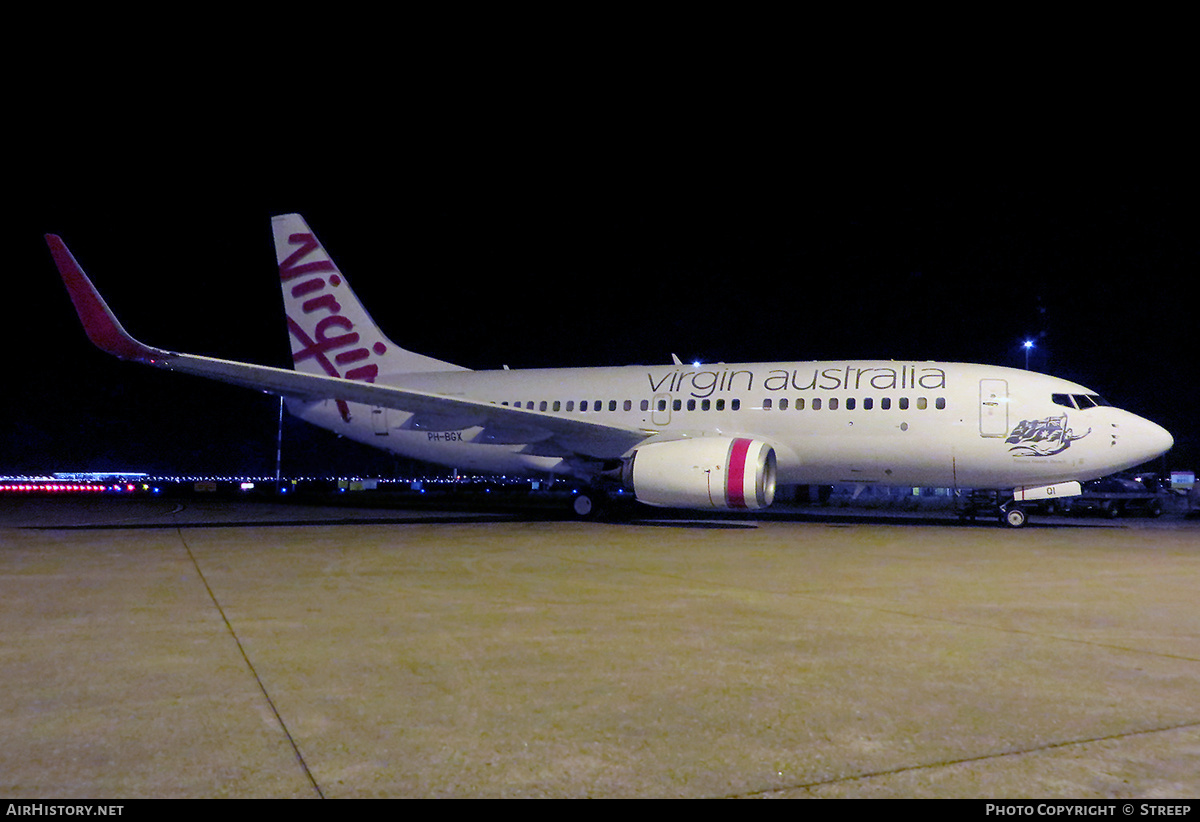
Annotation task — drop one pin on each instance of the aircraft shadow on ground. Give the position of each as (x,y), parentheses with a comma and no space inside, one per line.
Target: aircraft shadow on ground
(636,522)
(182,517)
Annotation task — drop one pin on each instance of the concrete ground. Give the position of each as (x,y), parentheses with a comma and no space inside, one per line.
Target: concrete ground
(208,650)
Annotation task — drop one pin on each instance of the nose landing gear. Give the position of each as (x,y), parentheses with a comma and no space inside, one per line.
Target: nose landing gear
(993,503)
(1013,515)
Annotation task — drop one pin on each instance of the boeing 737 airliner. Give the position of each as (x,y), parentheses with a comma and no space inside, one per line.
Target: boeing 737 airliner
(702,436)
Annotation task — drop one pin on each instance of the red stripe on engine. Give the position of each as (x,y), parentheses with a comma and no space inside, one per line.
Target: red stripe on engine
(735,477)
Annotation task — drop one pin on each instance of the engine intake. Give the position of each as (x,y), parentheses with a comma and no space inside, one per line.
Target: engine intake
(708,472)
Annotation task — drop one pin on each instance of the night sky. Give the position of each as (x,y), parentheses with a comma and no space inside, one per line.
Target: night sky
(533,258)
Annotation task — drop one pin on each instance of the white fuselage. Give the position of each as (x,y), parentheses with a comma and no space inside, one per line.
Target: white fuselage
(693,436)
(893,423)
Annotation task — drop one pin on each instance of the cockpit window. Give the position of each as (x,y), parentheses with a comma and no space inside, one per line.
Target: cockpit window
(1085,401)
(1081,401)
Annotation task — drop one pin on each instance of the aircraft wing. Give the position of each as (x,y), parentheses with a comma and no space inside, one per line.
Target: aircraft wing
(554,434)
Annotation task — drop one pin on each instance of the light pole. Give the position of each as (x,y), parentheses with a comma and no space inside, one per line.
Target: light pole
(1028,345)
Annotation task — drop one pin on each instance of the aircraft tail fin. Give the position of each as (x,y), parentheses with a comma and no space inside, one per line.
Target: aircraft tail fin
(332,334)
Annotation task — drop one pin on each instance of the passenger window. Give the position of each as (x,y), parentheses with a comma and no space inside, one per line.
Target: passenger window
(766,405)
(645,405)
(817,404)
(904,403)
(583,405)
(662,405)
(833,404)
(800,404)
(705,405)
(542,405)
(940,403)
(570,405)
(885,403)
(558,405)
(922,403)
(783,405)
(628,405)
(720,405)
(850,403)
(691,405)
(677,404)
(735,405)
(868,403)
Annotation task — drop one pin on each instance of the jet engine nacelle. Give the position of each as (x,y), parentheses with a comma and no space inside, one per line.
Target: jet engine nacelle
(707,472)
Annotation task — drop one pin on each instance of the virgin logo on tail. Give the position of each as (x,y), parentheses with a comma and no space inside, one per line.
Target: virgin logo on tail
(334,335)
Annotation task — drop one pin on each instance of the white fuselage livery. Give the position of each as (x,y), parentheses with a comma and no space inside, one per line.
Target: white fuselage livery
(932,424)
(699,436)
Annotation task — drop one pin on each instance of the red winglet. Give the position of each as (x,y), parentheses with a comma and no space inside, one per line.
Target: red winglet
(98,321)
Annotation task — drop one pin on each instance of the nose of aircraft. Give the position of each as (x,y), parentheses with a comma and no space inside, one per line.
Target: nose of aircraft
(1155,439)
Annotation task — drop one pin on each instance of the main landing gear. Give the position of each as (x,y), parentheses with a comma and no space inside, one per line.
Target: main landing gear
(586,504)
(601,503)
(993,503)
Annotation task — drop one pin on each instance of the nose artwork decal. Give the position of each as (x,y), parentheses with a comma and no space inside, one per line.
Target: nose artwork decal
(1042,438)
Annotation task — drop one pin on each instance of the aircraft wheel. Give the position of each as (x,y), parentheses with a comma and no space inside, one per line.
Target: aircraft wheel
(587,505)
(1014,517)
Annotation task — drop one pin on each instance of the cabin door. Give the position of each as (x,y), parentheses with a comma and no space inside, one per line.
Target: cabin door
(993,408)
